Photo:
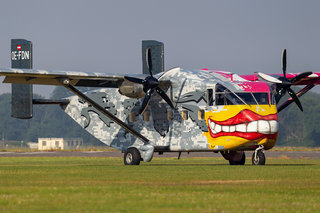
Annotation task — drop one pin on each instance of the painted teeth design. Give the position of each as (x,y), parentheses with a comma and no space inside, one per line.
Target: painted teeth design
(232,128)
(261,126)
(241,128)
(217,128)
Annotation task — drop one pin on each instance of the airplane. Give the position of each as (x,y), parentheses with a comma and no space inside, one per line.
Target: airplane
(159,111)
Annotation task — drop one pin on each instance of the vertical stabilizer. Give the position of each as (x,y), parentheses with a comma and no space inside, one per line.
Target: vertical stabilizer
(157,56)
(21,58)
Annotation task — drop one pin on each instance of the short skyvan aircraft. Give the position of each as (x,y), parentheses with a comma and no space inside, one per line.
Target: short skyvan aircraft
(173,111)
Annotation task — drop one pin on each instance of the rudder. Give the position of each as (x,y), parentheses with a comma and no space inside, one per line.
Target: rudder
(21,96)
(157,55)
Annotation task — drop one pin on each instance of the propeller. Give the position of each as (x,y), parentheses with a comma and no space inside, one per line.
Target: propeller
(283,84)
(150,84)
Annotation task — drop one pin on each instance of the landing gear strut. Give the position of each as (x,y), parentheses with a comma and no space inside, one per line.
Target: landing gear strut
(132,156)
(242,161)
(258,157)
(234,157)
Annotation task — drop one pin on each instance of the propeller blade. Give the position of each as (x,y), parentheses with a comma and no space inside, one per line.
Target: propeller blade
(295,98)
(300,76)
(149,61)
(134,80)
(284,62)
(281,90)
(164,96)
(146,101)
(269,78)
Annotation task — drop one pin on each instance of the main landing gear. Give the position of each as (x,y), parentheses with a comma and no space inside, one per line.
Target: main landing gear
(234,157)
(242,161)
(258,157)
(132,156)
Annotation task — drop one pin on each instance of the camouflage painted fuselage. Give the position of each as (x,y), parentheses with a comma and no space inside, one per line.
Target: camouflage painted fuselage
(194,124)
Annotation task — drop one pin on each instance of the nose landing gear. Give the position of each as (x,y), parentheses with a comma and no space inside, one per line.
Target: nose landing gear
(258,157)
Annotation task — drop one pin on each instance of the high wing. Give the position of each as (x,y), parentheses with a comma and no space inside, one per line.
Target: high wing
(313,78)
(52,77)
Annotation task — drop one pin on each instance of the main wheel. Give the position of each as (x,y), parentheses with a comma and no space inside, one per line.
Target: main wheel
(242,161)
(260,159)
(132,156)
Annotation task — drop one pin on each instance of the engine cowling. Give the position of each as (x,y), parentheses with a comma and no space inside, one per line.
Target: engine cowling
(131,90)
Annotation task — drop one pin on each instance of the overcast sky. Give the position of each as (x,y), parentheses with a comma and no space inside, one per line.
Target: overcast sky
(105,36)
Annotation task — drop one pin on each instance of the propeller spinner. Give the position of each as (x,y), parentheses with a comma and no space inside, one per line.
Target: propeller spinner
(150,84)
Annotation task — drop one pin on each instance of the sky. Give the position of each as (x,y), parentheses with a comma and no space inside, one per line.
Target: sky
(105,36)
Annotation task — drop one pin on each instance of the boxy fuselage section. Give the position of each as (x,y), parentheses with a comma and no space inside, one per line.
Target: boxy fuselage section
(211,113)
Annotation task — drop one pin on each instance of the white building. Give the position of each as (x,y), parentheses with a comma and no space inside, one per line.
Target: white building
(32,145)
(59,143)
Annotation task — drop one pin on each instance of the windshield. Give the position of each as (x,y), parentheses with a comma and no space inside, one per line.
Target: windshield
(229,98)
(253,98)
(224,96)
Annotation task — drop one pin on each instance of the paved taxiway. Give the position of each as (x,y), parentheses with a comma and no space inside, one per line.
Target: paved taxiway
(271,154)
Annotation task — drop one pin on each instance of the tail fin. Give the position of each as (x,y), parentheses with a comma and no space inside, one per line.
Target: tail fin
(157,55)
(21,58)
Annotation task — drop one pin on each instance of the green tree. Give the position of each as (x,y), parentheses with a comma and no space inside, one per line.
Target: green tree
(47,121)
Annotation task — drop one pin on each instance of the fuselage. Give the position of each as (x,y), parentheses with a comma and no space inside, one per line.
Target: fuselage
(213,111)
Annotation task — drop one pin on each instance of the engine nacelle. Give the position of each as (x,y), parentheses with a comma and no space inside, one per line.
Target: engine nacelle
(131,90)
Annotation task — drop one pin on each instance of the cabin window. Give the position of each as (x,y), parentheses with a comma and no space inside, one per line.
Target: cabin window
(184,115)
(146,116)
(169,115)
(132,117)
(210,97)
(201,114)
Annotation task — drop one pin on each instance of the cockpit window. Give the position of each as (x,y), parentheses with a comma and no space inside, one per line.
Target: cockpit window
(224,96)
(254,98)
(261,97)
(229,98)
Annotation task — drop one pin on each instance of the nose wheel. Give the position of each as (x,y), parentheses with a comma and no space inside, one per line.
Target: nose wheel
(258,157)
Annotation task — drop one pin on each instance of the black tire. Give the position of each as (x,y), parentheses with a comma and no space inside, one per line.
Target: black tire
(261,158)
(132,156)
(242,161)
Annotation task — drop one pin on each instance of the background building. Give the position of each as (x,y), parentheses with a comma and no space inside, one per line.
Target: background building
(59,143)
(32,145)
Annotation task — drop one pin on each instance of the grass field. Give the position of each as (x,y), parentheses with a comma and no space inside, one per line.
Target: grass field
(74,184)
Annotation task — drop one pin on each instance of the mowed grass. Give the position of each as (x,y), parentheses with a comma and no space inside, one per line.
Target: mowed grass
(74,184)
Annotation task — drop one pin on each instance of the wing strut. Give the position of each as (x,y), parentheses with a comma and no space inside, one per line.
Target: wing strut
(66,84)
